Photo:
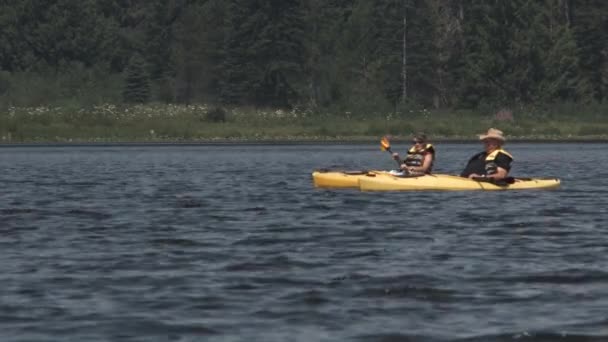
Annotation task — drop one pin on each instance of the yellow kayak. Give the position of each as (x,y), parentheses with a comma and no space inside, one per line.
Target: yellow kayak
(450,183)
(341,179)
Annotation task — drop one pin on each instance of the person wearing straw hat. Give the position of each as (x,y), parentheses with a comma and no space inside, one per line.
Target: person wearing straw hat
(494,162)
(420,156)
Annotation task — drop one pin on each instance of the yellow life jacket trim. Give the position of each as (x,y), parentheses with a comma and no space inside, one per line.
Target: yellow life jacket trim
(426,148)
(493,155)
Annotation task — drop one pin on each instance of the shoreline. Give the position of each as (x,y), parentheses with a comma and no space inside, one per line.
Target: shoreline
(293,141)
(158,124)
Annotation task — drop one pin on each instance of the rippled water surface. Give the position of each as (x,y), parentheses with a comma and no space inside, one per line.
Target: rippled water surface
(232,243)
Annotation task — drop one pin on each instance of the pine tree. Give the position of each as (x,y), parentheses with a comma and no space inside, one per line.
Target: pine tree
(264,53)
(137,83)
(159,36)
(385,46)
(279,52)
(422,53)
(558,57)
(590,24)
(197,53)
(483,60)
(359,86)
(325,21)
(53,33)
(236,66)
(447,49)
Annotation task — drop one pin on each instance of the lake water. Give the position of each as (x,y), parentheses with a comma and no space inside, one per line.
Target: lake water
(232,243)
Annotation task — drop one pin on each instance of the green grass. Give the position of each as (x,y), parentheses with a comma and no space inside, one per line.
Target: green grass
(166,123)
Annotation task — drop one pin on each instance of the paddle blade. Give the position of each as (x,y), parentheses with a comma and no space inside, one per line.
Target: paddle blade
(385,145)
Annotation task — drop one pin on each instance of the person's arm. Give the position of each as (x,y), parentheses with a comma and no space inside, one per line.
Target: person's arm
(503,165)
(402,166)
(499,174)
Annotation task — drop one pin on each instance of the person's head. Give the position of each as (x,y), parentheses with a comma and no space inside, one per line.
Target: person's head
(419,139)
(492,139)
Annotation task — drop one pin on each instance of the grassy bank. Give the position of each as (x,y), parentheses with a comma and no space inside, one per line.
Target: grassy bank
(194,123)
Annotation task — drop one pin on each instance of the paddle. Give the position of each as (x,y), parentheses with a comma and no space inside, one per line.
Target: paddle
(500,182)
(347,172)
(385,145)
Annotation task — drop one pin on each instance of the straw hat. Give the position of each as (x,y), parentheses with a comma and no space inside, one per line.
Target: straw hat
(493,133)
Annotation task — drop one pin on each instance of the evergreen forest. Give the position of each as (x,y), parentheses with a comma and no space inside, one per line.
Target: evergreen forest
(336,56)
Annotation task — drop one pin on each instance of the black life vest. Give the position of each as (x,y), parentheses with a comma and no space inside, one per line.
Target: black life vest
(491,166)
(416,157)
(483,163)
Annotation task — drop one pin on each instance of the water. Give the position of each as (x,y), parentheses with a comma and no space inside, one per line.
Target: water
(232,243)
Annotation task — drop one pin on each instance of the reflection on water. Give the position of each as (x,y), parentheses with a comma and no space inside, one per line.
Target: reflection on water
(232,243)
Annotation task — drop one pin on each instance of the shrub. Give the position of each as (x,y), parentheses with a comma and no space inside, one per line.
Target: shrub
(216,114)
(593,130)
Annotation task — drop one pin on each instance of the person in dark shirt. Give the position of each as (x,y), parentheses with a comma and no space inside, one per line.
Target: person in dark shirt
(494,162)
(420,156)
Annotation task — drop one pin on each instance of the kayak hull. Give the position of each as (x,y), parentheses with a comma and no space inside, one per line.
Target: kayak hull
(341,179)
(449,183)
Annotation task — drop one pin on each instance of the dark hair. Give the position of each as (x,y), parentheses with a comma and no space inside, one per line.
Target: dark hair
(420,136)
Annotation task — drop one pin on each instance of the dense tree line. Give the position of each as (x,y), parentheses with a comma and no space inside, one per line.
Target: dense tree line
(337,54)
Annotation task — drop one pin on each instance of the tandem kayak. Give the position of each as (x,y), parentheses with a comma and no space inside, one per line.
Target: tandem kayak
(342,179)
(450,183)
